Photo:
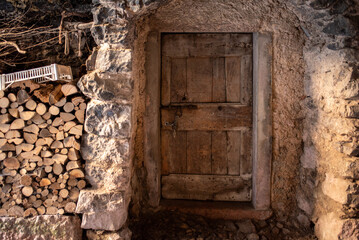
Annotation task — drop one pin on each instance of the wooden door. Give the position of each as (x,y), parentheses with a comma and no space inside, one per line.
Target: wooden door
(206,117)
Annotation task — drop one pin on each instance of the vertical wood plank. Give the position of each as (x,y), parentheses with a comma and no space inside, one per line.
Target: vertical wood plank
(219,152)
(166,81)
(233,151)
(219,80)
(173,155)
(246,80)
(199,79)
(246,152)
(199,152)
(178,80)
(233,81)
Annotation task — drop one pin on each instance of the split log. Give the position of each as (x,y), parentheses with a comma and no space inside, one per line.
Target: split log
(12,97)
(69,107)
(41,109)
(69,89)
(22,97)
(31,104)
(4,102)
(17,124)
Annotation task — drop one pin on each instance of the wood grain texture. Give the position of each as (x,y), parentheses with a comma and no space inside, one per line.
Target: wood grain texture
(199,79)
(218,81)
(201,45)
(206,187)
(219,152)
(233,151)
(166,81)
(173,152)
(178,80)
(198,152)
(208,117)
(233,79)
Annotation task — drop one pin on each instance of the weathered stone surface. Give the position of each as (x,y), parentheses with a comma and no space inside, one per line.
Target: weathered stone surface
(93,201)
(106,220)
(329,226)
(106,87)
(350,230)
(102,149)
(101,210)
(108,120)
(309,158)
(113,60)
(304,203)
(246,226)
(44,227)
(124,234)
(336,188)
(110,177)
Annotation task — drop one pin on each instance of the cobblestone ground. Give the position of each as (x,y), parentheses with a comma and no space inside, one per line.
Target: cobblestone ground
(173,226)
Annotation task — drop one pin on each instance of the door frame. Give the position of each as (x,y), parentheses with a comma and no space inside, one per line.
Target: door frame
(262,119)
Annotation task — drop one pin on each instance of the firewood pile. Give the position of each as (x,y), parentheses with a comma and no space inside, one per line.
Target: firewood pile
(40,135)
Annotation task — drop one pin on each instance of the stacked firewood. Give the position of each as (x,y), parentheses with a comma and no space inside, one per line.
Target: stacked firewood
(40,133)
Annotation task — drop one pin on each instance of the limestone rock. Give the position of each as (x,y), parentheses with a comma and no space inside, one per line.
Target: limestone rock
(329,226)
(108,120)
(335,188)
(93,201)
(350,230)
(110,177)
(106,220)
(106,87)
(101,149)
(113,60)
(41,227)
(102,211)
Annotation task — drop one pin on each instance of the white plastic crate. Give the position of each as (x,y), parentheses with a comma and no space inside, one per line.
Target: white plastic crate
(53,72)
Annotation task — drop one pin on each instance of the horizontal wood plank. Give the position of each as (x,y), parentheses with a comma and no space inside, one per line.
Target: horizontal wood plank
(207,117)
(204,45)
(206,187)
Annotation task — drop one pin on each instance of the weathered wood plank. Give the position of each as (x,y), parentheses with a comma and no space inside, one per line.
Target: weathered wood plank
(246,153)
(199,152)
(219,81)
(178,80)
(166,81)
(233,79)
(199,80)
(233,151)
(206,187)
(205,45)
(207,117)
(219,152)
(173,152)
(246,80)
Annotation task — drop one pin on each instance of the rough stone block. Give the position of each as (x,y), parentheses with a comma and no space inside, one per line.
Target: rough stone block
(102,210)
(106,220)
(41,227)
(113,60)
(96,201)
(350,230)
(336,188)
(108,120)
(107,87)
(110,177)
(104,150)
(309,157)
(329,226)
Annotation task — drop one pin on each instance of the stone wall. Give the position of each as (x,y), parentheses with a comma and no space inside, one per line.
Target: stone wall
(315,107)
(310,88)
